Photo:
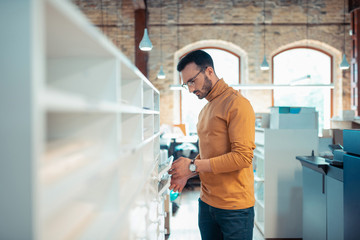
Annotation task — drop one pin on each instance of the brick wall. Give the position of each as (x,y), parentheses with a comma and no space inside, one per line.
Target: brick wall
(238,22)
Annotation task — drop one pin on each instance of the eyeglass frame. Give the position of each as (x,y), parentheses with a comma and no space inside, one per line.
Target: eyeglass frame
(192,80)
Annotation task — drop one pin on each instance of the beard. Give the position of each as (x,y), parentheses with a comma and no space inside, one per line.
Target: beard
(205,89)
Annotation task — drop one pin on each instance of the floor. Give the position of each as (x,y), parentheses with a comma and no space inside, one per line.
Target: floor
(183,224)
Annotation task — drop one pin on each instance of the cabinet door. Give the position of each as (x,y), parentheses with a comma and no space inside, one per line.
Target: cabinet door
(351,197)
(335,209)
(314,205)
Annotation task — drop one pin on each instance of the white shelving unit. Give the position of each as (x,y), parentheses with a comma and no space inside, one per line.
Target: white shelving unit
(278,179)
(79,131)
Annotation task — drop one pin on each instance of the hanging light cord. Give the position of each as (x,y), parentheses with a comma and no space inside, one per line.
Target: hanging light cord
(118,23)
(307,23)
(102,15)
(177,29)
(161,53)
(344,27)
(146,14)
(264,30)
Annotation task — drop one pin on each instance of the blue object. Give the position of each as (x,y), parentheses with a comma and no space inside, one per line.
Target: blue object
(351,141)
(294,110)
(173,195)
(351,196)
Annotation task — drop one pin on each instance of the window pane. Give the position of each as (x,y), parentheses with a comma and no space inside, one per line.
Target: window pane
(304,66)
(227,67)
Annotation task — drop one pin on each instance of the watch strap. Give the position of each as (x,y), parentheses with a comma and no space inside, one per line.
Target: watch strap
(192,164)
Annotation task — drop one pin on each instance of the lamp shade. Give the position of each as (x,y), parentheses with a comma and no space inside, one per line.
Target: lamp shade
(344,63)
(145,44)
(161,74)
(264,65)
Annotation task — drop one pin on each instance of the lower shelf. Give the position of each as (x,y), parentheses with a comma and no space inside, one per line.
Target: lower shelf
(163,186)
(260,202)
(260,226)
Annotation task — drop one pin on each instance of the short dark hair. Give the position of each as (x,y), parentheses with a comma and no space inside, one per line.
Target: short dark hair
(199,57)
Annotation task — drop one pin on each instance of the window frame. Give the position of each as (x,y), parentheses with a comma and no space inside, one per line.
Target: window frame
(315,49)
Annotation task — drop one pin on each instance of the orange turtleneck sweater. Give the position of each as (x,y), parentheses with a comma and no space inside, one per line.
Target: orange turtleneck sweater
(226,130)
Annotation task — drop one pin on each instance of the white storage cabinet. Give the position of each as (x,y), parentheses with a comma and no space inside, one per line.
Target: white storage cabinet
(79,131)
(278,179)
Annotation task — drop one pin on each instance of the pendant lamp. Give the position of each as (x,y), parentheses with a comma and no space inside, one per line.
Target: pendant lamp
(161,74)
(264,65)
(344,63)
(145,44)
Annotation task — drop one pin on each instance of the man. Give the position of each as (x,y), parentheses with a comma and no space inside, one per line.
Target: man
(226,130)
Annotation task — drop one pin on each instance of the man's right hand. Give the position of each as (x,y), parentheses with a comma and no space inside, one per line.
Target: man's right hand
(178,184)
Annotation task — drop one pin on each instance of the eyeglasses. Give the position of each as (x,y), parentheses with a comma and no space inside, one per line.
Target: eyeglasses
(191,82)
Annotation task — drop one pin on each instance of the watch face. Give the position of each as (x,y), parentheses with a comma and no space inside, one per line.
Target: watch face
(192,167)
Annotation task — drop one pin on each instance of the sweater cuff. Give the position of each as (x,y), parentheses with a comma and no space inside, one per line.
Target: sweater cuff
(212,165)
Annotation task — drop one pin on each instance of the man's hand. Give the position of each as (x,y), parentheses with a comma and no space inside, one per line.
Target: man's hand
(177,185)
(180,168)
(180,174)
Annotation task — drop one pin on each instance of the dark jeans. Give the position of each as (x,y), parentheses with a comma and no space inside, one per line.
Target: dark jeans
(223,224)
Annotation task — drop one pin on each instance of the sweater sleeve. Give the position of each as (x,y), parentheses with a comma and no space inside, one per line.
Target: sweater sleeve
(241,130)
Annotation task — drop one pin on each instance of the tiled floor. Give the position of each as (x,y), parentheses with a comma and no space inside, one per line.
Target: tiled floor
(184,223)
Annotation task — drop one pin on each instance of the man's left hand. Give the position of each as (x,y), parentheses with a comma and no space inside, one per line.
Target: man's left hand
(180,168)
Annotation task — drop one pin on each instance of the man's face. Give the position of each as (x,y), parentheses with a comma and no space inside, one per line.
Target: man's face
(197,80)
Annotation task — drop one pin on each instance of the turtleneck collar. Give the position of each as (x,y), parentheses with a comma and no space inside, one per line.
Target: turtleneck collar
(219,87)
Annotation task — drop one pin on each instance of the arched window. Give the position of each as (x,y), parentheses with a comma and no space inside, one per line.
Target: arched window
(227,66)
(304,65)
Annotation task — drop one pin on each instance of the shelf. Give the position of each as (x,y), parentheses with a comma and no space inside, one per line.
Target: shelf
(59,165)
(108,222)
(69,34)
(259,217)
(260,202)
(128,149)
(146,111)
(131,92)
(156,123)
(148,97)
(260,226)
(130,73)
(60,101)
(258,179)
(93,144)
(57,194)
(259,155)
(259,150)
(91,78)
(148,125)
(101,225)
(165,168)
(69,223)
(164,187)
(131,129)
(156,101)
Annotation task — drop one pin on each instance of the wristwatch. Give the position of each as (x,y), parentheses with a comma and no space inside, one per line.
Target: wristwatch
(192,166)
